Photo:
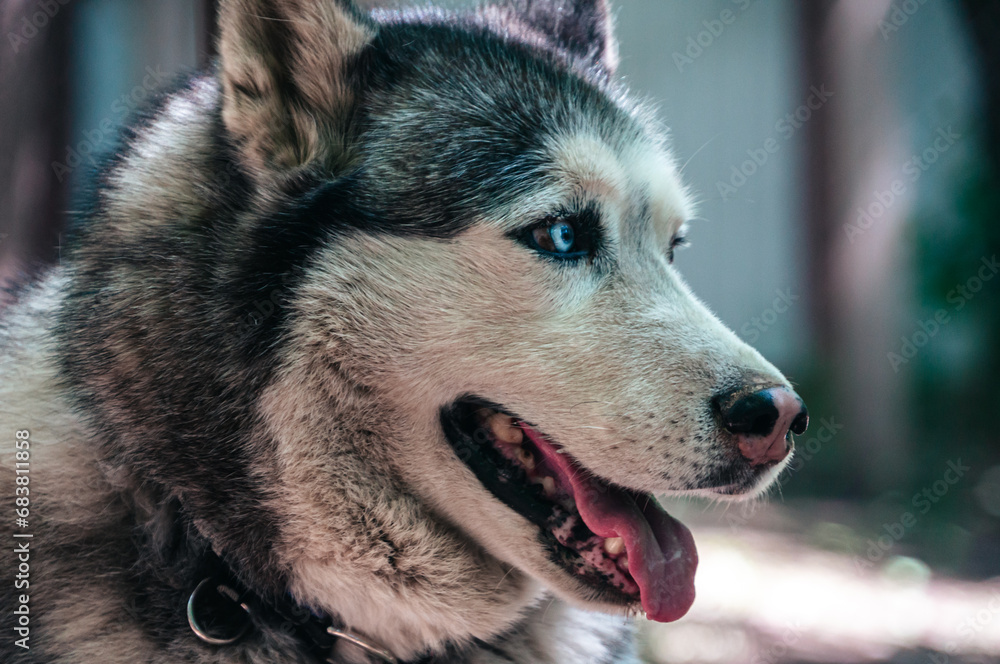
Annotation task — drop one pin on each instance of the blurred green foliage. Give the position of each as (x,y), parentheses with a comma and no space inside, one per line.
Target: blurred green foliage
(952,385)
(956,391)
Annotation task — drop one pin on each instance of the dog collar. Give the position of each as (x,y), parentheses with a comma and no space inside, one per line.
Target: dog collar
(221,611)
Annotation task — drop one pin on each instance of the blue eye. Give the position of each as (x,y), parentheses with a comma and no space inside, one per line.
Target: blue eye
(563,236)
(559,238)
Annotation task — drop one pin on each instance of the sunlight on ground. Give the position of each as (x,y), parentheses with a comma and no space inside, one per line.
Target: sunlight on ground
(763,598)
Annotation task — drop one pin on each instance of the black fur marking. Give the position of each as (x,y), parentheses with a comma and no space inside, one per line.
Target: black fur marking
(460,158)
(494,650)
(282,246)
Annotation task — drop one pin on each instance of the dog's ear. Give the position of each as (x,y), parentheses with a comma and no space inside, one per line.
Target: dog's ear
(286,67)
(585,28)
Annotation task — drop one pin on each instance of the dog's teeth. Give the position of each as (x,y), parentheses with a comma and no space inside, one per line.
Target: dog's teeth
(623,563)
(614,545)
(526,458)
(547,483)
(505,430)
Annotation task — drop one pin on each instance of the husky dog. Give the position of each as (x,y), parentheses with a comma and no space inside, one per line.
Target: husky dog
(369,348)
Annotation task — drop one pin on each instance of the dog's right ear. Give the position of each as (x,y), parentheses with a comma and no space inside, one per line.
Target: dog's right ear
(585,28)
(285,67)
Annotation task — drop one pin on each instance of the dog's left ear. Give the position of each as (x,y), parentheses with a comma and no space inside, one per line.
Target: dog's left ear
(585,28)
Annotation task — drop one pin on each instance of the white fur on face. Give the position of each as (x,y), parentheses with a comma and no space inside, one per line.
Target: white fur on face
(596,170)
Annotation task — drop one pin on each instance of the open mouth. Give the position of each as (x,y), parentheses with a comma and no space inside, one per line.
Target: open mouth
(619,543)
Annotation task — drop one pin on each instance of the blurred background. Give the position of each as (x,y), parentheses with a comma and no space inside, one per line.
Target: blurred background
(846,156)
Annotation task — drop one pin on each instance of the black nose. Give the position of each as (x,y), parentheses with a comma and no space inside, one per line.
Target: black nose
(761,421)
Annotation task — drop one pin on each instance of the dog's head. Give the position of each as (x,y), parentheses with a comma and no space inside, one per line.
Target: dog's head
(492,318)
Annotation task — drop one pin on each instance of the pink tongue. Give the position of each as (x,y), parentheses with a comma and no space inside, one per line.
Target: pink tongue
(661,553)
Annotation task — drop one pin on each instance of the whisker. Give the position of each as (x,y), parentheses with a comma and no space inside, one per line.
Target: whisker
(583,403)
(283,20)
(502,578)
(697,151)
(553,601)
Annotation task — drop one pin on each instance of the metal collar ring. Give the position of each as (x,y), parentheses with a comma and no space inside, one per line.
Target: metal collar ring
(199,630)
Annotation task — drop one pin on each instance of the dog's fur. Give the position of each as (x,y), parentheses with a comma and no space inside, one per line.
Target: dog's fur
(288,268)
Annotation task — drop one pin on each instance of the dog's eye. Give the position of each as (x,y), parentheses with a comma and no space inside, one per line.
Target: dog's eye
(678,242)
(560,238)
